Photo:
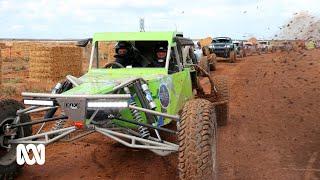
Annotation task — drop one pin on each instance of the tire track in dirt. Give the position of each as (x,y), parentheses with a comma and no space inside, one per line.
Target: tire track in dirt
(274,117)
(309,172)
(273,129)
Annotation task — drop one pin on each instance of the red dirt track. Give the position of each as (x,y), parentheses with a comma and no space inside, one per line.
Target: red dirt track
(273,132)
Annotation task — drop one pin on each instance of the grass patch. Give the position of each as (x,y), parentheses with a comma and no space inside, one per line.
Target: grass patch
(33,89)
(8,59)
(19,68)
(13,81)
(15,59)
(8,91)
(26,59)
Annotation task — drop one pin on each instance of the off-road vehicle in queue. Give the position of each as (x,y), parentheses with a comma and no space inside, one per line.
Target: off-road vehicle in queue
(264,46)
(251,48)
(206,58)
(224,47)
(240,49)
(131,105)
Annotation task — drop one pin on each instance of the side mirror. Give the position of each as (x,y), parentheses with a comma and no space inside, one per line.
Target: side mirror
(84,42)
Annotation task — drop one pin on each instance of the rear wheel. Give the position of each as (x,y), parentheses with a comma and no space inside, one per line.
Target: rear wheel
(222,110)
(8,109)
(259,51)
(241,54)
(232,56)
(197,141)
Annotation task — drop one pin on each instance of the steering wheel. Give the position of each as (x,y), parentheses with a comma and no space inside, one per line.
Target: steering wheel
(109,65)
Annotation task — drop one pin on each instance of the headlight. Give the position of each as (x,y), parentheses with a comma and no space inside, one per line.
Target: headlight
(228,46)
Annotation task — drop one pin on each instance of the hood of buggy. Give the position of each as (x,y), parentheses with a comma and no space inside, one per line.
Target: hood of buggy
(102,81)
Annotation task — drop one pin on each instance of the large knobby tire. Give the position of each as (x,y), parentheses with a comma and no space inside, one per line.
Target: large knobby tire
(205,51)
(222,110)
(241,54)
(232,56)
(8,109)
(244,53)
(204,64)
(259,52)
(197,141)
(212,62)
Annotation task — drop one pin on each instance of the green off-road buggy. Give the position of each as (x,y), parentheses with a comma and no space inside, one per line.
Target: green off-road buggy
(133,106)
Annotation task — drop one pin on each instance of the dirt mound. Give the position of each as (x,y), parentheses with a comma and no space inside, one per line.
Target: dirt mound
(302,26)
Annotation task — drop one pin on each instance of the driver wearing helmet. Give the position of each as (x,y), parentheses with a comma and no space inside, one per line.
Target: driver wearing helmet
(127,55)
(160,56)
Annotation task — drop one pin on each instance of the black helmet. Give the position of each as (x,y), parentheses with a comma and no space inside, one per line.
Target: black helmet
(161,47)
(123,45)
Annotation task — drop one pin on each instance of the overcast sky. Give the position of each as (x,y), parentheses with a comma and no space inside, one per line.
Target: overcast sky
(81,18)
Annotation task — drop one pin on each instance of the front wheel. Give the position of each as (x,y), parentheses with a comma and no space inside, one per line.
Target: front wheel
(222,110)
(8,109)
(204,64)
(198,141)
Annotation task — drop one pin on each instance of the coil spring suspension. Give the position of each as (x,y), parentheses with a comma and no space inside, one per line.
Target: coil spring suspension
(143,131)
(59,124)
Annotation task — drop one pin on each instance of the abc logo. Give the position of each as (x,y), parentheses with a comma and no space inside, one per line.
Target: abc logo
(37,151)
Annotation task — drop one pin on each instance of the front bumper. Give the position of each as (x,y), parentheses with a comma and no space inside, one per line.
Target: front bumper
(222,52)
(76,106)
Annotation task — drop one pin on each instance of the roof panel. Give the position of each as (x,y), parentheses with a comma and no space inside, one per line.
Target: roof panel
(134,36)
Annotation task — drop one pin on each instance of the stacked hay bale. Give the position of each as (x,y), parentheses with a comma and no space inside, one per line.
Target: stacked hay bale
(50,64)
(106,51)
(86,53)
(20,50)
(2,46)
(106,54)
(111,51)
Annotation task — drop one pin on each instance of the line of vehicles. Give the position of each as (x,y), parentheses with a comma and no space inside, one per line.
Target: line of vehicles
(227,48)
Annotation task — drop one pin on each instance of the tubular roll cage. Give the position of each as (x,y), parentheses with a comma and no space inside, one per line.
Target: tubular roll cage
(40,102)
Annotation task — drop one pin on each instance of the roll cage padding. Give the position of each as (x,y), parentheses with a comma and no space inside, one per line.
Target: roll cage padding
(181,41)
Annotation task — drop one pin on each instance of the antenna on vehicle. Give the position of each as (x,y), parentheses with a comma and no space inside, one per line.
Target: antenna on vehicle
(142,25)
